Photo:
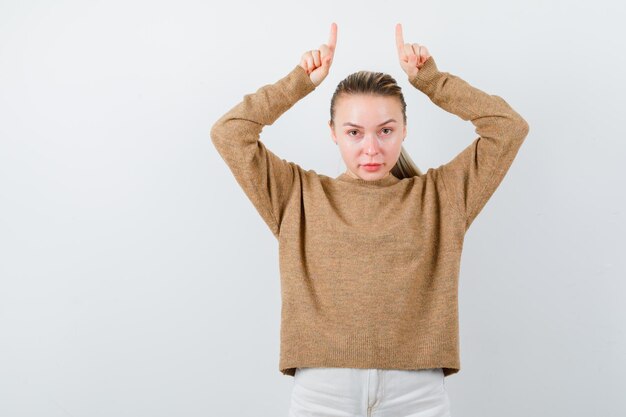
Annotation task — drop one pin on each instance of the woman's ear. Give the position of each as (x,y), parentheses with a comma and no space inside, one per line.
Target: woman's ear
(332,132)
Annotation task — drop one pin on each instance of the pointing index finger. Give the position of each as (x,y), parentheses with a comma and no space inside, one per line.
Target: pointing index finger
(332,39)
(400,41)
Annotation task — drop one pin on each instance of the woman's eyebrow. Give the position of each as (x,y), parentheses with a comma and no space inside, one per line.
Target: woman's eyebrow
(355,125)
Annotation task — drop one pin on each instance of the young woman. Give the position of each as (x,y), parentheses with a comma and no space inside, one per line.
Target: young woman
(369,260)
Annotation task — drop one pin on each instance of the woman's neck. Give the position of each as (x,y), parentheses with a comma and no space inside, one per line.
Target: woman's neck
(350,173)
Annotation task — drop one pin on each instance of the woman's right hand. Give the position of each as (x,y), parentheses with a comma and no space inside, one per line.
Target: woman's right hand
(317,62)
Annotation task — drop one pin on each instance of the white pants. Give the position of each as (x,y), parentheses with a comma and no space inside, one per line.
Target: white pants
(356,392)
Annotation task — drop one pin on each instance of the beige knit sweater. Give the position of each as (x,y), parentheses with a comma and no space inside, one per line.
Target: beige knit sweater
(369,269)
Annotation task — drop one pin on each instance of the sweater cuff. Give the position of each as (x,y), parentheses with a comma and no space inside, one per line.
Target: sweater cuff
(426,75)
(302,84)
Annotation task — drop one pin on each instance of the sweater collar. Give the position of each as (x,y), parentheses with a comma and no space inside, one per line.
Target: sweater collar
(381,182)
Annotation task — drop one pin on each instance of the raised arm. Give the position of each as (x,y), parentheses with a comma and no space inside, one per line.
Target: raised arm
(473,175)
(266,178)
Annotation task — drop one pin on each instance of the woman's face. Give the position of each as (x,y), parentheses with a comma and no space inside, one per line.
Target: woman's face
(369,129)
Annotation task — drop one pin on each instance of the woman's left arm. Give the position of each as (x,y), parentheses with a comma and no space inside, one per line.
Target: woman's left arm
(472,176)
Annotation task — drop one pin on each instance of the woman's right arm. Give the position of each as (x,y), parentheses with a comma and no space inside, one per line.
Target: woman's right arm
(266,178)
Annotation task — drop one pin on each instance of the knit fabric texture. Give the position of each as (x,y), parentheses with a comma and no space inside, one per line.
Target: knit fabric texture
(369,269)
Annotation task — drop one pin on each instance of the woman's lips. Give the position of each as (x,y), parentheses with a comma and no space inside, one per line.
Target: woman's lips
(371,167)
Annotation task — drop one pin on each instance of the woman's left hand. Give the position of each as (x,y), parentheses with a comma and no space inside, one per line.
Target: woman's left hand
(412,55)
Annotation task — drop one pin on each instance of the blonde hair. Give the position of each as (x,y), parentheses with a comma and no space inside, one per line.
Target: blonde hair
(381,84)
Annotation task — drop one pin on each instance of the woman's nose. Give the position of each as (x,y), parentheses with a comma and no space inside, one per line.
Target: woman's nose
(371,144)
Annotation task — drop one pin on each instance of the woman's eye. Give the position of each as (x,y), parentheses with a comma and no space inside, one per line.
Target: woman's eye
(356,131)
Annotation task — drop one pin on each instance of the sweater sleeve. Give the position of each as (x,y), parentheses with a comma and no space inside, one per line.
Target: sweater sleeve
(473,175)
(265,178)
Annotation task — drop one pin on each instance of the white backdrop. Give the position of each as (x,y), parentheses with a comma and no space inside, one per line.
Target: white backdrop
(136,279)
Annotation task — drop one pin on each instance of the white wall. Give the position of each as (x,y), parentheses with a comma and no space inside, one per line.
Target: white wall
(136,279)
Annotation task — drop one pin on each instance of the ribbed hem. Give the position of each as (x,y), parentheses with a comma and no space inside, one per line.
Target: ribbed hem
(365,351)
(426,75)
(304,80)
